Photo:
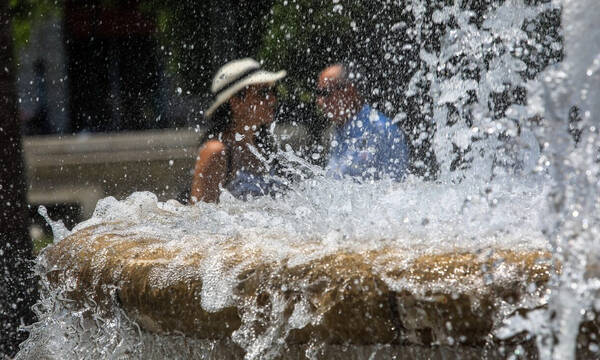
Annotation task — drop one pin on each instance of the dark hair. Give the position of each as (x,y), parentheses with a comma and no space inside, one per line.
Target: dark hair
(219,122)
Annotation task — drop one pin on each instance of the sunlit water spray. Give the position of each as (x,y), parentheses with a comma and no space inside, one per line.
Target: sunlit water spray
(507,195)
(572,225)
(317,217)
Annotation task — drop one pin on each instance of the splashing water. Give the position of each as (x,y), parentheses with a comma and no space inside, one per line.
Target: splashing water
(573,217)
(505,183)
(322,214)
(59,230)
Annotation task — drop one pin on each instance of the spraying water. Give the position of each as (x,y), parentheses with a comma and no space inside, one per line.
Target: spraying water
(573,222)
(59,230)
(511,178)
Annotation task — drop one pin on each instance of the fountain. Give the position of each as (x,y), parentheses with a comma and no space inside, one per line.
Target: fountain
(304,276)
(494,260)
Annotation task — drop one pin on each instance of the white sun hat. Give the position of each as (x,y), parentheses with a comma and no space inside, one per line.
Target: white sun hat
(235,76)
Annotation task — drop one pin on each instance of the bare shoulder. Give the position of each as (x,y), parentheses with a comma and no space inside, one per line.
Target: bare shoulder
(211,154)
(212,147)
(209,172)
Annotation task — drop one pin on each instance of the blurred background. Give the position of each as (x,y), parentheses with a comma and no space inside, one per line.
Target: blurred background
(110,94)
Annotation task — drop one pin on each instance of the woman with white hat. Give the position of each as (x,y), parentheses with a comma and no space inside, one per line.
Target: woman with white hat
(244,102)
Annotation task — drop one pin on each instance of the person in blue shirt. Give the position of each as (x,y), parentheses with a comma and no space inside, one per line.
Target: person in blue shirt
(366,144)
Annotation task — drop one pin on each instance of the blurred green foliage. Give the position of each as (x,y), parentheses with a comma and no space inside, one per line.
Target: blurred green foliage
(25,14)
(303,36)
(183,29)
(41,242)
(192,33)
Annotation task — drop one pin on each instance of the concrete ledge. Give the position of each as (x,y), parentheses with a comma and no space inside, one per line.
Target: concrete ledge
(150,145)
(85,168)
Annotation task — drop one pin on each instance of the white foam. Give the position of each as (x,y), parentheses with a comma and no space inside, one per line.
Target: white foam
(338,213)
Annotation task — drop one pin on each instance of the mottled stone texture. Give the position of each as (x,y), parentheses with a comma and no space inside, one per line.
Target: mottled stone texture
(376,297)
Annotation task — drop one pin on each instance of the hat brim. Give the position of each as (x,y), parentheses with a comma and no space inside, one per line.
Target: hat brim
(259,77)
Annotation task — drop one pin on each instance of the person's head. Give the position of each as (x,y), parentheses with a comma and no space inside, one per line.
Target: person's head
(243,94)
(253,106)
(337,97)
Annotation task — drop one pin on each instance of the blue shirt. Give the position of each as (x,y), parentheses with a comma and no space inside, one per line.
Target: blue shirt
(368,146)
(245,185)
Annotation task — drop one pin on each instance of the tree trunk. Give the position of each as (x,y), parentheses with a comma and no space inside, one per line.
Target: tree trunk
(18,286)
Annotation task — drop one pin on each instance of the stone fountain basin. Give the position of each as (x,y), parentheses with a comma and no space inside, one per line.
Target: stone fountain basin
(383,296)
